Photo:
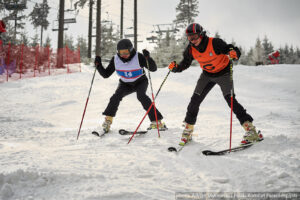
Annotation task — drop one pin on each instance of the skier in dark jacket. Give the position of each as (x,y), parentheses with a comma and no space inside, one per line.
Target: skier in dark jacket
(129,66)
(214,57)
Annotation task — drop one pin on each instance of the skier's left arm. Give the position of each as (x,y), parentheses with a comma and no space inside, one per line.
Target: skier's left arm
(143,58)
(221,47)
(105,72)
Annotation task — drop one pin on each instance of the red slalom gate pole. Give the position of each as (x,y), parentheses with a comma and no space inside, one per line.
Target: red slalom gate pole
(150,106)
(140,123)
(86,103)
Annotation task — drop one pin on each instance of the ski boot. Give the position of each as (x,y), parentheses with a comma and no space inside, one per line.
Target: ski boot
(106,124)
(251,135)
(161,125)
(187,134)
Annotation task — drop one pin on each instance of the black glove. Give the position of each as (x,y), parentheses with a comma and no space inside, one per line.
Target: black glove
(146,53)
(98,61)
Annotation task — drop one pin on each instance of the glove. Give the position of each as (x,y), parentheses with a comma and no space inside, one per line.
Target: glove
(146,53)
(173,66)
(98,60)
(233,55)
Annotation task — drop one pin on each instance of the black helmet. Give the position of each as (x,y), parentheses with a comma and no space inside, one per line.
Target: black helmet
(125,44)
(195,28)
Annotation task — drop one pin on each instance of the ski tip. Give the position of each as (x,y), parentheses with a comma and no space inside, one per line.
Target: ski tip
(95,133)
(213,153)
(171,149)
(208,152)
(122,131)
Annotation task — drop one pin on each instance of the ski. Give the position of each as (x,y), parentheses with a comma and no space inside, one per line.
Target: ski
(226,151)
(176,149)
(99,134)
(125,132)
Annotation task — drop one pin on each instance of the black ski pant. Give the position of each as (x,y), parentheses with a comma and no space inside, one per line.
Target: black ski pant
(125,89)
(204,85)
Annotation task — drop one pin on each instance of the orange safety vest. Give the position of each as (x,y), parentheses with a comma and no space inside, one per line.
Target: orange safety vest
(209,60)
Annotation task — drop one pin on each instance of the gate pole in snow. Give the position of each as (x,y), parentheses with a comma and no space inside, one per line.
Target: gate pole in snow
(8,60)
(67,60)
(35,60)
(149,107)
(79,58)
(48,50)
(21,62)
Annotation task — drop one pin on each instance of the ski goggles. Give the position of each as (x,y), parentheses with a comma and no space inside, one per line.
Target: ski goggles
(192,38)
(124,52)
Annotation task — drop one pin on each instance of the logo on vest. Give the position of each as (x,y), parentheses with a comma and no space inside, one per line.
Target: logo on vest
(210,54)
(128,74)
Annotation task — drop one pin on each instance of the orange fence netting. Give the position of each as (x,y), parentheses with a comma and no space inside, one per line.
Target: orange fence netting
(17,62)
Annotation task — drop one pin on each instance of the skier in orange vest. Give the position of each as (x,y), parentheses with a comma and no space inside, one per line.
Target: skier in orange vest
(214,57)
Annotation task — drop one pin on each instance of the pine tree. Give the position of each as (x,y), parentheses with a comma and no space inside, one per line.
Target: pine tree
(166,50)
(292,55)
(24,39)
(258,53)
(16,16)
(82,44)
(108,41)
(250,56)
(68,41)
(268,48)
(47,43)
(34,40)
(297,56)
(243,59)
(39,15)
(186,10)
(285,55)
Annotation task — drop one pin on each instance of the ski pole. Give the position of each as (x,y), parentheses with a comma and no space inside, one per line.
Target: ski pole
(86,103)
(231,102)
(162,84)
(153,100)
(149,107)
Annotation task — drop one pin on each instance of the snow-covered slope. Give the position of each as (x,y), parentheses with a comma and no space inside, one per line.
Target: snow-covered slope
(41,158)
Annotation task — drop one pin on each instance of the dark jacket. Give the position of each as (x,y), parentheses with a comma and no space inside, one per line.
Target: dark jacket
(220,47)
(109,70)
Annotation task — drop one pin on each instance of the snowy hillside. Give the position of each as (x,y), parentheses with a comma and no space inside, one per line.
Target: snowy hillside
(41,158)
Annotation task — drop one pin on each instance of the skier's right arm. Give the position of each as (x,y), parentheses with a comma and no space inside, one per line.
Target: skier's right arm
(105,73)
(184,63)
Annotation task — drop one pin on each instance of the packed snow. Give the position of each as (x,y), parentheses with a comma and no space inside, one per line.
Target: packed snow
(41,158)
